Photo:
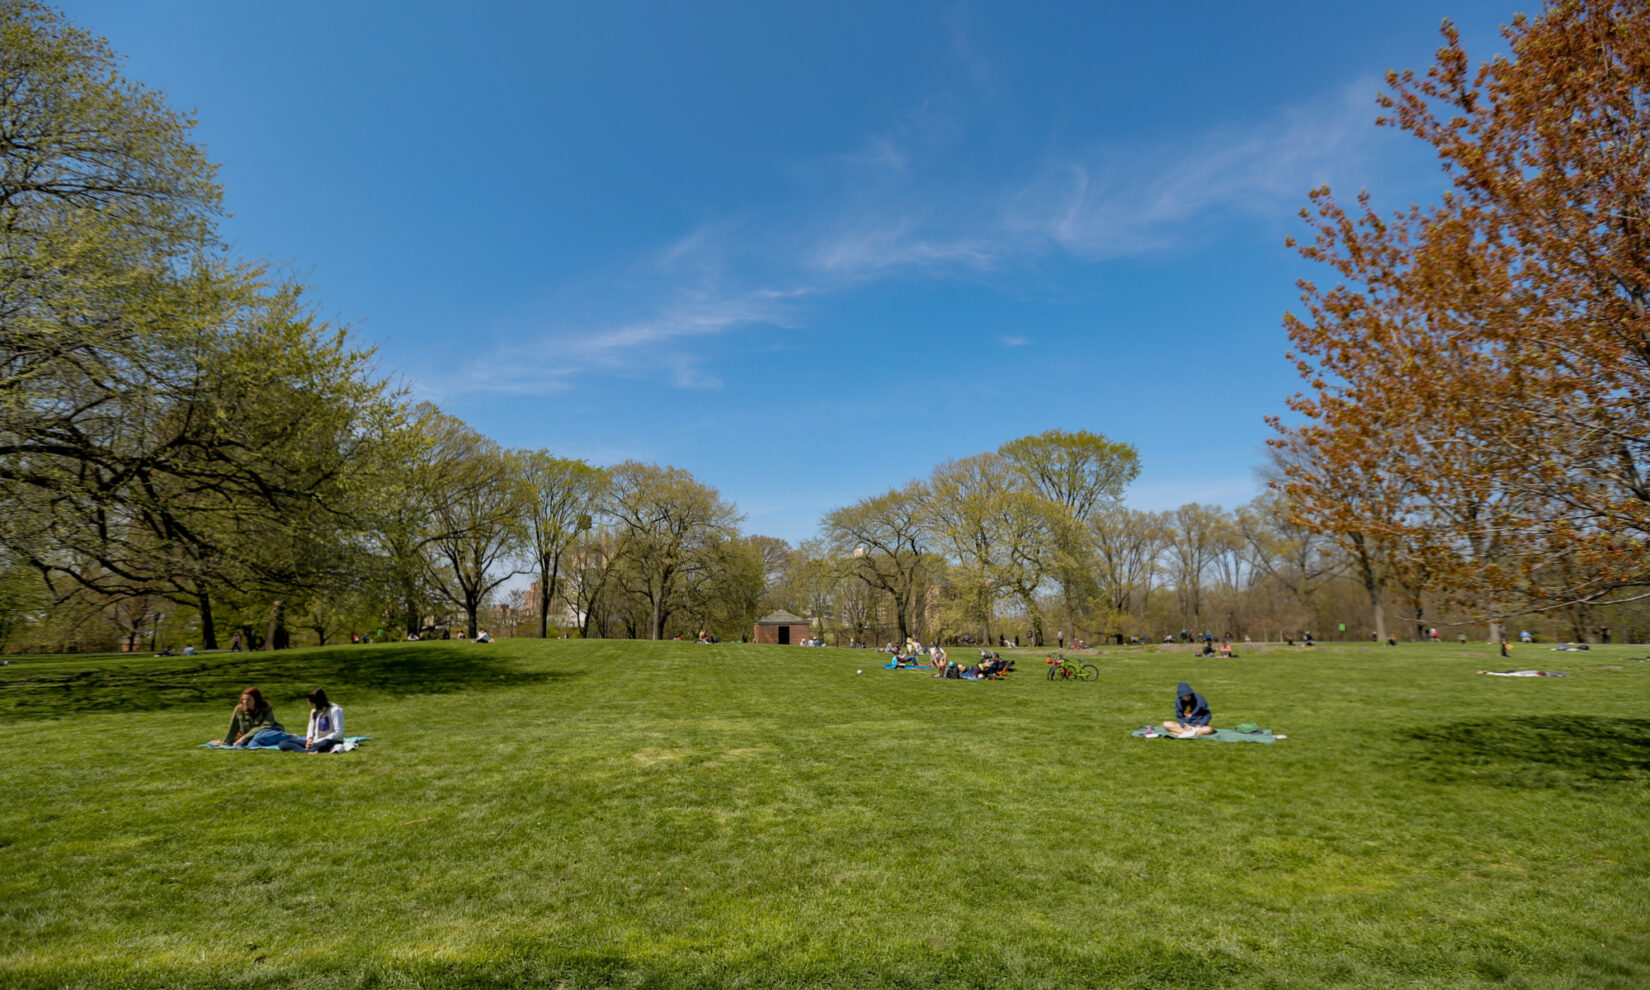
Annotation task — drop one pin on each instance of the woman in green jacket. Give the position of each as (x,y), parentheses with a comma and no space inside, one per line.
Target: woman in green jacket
(253,723)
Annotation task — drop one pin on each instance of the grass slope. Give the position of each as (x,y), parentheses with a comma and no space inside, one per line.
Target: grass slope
(668,815)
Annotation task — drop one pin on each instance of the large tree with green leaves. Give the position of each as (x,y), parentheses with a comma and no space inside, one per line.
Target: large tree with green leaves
(884,542)
(476,498)
(562,496)
(1082,473)
(171,422)
(963,512)
(670,529)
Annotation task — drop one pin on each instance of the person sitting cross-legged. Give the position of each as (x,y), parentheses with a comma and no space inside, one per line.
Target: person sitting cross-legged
(1192,714)
(326,727)
(252,723)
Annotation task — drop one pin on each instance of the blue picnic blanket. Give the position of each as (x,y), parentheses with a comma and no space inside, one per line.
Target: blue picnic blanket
(898,666)
(1220,735)
(277,748)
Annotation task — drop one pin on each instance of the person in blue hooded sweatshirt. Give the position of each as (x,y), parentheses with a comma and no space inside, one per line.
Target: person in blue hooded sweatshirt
(1191,714)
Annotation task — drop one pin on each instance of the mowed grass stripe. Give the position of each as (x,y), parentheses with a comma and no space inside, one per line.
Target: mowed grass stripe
(614,813)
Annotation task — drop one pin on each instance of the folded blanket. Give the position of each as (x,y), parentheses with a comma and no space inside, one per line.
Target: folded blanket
(350,742)
(1220,735)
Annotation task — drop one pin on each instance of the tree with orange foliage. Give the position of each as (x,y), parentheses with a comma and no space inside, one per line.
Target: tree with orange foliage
(1488,358)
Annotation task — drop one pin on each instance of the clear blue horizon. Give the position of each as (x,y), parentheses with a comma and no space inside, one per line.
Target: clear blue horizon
(806,254)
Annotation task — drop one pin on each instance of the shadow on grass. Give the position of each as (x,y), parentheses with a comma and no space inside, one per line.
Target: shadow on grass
(152,684)
(1541,751)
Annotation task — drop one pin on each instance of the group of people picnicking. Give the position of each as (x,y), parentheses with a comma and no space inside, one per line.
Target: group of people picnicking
(990,666)
(253,724)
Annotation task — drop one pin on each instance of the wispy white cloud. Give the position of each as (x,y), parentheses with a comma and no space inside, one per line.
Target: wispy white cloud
(881,152)
(1109,201)
(979,67)
(552,360)
(1128,201)
(901,208)
(710,238)
(872,250)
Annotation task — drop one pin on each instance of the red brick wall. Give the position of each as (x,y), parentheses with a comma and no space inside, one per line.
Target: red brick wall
(770,634)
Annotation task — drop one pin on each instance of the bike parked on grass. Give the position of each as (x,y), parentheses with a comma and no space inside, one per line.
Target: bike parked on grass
(1061,668)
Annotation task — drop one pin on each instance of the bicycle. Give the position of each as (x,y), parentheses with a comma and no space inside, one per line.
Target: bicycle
(1062,668)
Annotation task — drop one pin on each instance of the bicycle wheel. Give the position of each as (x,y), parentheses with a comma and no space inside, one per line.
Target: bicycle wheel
(1091,672)
(1053,671)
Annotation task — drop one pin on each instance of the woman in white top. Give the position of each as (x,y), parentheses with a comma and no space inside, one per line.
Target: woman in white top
(326,727)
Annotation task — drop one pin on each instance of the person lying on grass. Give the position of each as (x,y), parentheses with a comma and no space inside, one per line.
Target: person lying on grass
(253,723)
(326,727)
(1191,711)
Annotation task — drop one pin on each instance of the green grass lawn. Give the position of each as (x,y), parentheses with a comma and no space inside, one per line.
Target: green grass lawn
(668,815)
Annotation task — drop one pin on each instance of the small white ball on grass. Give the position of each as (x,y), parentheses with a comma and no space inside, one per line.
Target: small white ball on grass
(859,671)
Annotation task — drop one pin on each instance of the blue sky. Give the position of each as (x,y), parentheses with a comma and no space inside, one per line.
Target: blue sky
(806,252)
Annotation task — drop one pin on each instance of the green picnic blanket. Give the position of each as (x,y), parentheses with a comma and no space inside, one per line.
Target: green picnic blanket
(1220,735)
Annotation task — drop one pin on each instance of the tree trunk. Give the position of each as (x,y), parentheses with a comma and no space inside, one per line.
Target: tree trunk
(415,618)
(209,632)
(276,634)
(544,601)
(1581,621)
(470,610)
(1377,595)
(550,596)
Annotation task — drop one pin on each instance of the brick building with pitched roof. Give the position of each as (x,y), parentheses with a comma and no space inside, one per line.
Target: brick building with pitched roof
(783,628)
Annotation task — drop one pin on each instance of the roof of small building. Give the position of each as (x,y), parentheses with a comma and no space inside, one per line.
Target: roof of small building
(781,618)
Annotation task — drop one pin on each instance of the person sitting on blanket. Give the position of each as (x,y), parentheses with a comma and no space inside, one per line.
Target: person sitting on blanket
(1191,711)
(253,723)
(326,727)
